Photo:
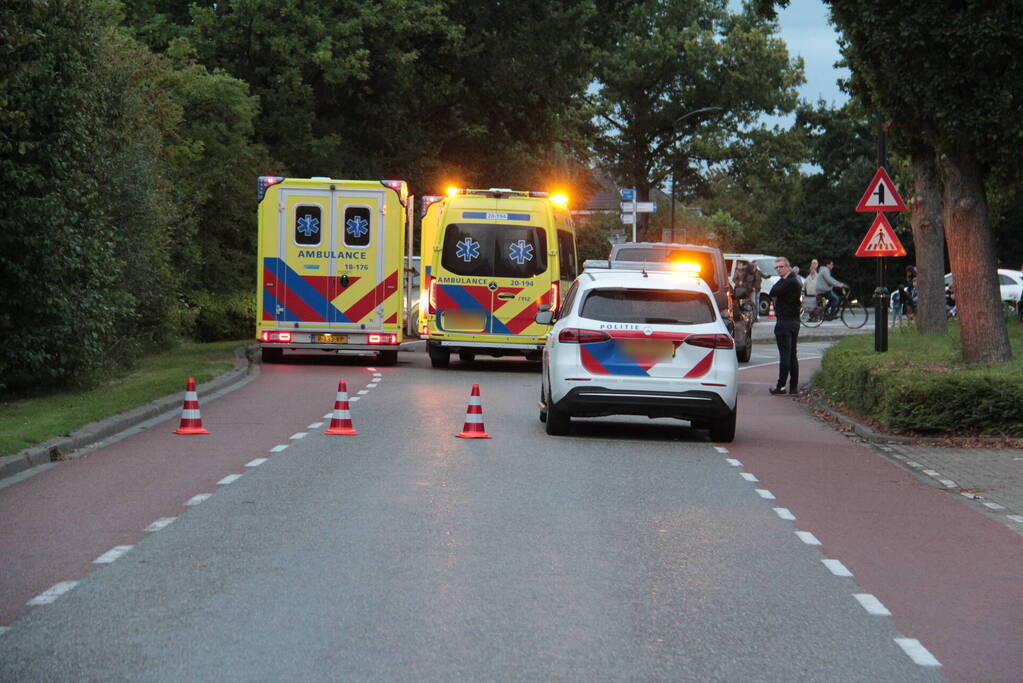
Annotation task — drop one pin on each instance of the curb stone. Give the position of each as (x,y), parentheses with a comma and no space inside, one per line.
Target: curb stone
(62,448)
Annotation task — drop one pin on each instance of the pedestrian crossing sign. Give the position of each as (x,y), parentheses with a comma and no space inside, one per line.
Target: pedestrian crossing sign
(881,240)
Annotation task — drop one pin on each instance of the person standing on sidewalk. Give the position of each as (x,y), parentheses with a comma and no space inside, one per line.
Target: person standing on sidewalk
(785,294)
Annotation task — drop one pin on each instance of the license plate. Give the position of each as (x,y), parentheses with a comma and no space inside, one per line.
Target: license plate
(332,338)
(654,350)
(464,321)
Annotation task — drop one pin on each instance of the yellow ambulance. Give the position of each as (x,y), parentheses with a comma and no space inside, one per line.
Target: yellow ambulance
(330,265)
(491,258)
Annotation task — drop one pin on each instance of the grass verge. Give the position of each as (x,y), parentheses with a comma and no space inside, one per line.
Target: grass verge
(33,421)
(921,386)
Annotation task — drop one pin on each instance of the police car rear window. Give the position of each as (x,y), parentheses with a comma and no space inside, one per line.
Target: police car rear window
(650,306)
(494,250)
(658,255)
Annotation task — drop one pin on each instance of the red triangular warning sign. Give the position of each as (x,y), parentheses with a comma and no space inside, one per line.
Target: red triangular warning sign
(881,195)
(881,240)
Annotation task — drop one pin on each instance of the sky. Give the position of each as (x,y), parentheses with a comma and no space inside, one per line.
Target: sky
(805,29)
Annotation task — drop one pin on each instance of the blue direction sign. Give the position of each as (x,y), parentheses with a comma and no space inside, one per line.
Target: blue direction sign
(628,195)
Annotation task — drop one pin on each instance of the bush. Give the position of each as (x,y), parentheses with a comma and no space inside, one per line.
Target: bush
(920,385)
(220,317)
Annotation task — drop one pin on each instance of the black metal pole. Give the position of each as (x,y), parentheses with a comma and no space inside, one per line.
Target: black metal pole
(881,293)
(673,201)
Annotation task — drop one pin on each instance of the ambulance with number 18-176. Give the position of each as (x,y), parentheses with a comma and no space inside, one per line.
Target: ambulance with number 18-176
(330,266)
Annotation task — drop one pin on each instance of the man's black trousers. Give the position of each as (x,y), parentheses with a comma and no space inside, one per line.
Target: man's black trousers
(786,333)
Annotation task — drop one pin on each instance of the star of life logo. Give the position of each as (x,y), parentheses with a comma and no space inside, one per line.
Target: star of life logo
(520,252)
(467,250)
(308,226)
(356,226)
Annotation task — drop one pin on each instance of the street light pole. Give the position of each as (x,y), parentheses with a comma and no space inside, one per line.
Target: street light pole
(674,158)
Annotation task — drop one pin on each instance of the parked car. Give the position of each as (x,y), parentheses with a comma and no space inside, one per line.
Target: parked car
(1010,284)
(639,342)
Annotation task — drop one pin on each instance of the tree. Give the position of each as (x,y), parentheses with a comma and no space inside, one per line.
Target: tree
(950,74)
(681,72)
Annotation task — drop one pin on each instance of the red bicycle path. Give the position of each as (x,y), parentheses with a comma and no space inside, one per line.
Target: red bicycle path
(54,524)
(951,577)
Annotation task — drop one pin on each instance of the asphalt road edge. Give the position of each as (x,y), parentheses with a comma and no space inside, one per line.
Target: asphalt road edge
(62,448)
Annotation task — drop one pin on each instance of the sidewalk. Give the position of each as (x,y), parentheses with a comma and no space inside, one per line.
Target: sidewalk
(832,330)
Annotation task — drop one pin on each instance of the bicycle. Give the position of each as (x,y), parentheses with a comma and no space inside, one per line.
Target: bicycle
(853,314)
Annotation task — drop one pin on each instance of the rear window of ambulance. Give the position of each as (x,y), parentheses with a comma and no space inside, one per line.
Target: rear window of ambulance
(494,250)
(650,306)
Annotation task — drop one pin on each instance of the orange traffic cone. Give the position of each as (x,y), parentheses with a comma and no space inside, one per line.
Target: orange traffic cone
(341,421)
(191,421)
(473,427)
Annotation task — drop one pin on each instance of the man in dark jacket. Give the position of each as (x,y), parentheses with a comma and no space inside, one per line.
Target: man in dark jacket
(785,294)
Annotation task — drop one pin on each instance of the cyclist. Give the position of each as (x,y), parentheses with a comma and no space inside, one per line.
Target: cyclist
(826,284)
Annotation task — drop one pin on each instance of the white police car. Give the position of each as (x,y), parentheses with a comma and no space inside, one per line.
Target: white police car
(639,342)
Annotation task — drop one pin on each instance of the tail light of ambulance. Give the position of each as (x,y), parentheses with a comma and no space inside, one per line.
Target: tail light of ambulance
(283,337)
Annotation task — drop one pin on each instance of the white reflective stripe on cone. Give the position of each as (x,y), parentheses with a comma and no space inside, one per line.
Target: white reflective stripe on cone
(191,396)
(473,419)
(190,415)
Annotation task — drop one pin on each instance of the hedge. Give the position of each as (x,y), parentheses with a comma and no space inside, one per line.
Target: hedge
(920,385)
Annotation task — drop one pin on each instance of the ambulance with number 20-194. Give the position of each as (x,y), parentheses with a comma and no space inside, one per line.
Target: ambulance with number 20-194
(491,259)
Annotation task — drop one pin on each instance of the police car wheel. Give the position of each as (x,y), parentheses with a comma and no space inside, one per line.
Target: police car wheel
(558,422)
(723,430)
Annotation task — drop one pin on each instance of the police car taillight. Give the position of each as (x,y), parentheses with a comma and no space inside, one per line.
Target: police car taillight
(711,341)
(383,339)
(574,335)
(276,337)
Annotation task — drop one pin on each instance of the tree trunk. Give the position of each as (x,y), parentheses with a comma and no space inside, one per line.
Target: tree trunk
(972,254)
(929,238)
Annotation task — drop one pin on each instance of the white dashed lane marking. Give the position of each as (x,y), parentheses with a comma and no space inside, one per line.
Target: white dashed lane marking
(298,435)
(315,425)
(748,476)
(733,462)
(364,391)
(372,385)
(1016,518)
(279,448)
(256,463)
(807,538)
(229,479)
(917,652)
(195,500)
(836,568)
(720,449)
(785,514)
(872,604)
(993,506)
(52,593)
(112,554)
(160,523)
(764,493)
(353,399)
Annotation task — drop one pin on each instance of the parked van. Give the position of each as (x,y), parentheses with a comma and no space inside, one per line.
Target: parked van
(491,258)
(691,259)
(330,265)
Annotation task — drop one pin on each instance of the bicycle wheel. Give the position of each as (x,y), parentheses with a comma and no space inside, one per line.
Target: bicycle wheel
(854,315)
(810,318)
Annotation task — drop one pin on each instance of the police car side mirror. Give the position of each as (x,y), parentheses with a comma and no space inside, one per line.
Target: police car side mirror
(545,317)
